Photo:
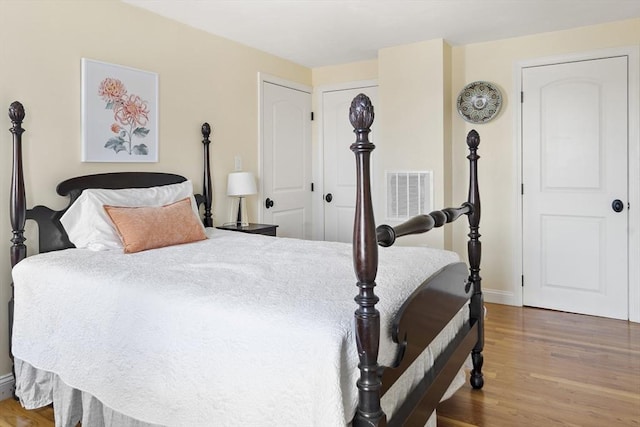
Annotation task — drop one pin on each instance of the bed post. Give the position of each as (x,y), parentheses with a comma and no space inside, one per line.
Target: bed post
(365,261)
(18,206)
(206,186)
(474,248)
(17,201)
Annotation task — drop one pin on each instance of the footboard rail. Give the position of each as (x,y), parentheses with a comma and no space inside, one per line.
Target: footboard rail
(419,224)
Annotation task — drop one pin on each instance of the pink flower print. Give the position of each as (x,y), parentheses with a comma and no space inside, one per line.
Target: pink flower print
(112,90)
(130,113)
(132,110)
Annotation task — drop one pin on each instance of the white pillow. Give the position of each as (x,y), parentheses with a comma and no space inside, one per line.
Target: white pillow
(88,225)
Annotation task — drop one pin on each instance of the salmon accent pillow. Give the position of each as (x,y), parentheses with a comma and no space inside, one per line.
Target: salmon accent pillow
(150,227)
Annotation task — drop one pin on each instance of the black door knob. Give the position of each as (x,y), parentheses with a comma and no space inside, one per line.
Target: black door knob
(617,205)
(268,203)
(328,197)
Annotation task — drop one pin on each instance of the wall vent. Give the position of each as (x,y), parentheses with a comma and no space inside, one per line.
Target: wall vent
(408,194)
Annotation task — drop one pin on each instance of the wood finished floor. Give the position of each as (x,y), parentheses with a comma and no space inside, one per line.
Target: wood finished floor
(548,368)
(542,368)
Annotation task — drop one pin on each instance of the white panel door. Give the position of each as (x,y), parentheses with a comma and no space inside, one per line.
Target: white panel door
(574,152)
(286,160)
(339,162)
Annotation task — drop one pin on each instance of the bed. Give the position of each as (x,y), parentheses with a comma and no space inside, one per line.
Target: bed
(234,329)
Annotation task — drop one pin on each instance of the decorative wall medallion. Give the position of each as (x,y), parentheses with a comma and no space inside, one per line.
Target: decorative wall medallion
(479,102)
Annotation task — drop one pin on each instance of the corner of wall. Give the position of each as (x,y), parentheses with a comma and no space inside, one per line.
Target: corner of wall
(447,136)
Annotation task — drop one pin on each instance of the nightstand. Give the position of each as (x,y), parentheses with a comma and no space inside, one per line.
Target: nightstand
(266,229)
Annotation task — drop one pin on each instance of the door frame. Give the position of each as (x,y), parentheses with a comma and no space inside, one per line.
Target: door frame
(268,78)
(633,150)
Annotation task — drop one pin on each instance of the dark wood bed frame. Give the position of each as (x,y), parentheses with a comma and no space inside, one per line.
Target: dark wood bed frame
(425,313)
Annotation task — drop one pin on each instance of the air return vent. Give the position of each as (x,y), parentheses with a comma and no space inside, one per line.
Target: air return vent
(408,194)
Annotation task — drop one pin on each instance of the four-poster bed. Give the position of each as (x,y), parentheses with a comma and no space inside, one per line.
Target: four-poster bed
(433,316)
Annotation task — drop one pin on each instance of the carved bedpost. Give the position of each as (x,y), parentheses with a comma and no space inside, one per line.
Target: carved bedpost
(17,203)
(365,261)
(474,248)
(206,187)
(18,206)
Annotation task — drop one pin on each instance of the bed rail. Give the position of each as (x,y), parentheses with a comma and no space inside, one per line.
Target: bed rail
(387,234)
(366,238)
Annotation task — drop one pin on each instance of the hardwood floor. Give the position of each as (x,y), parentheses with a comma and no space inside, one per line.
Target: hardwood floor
(542,368)
(12,415)
(548,368)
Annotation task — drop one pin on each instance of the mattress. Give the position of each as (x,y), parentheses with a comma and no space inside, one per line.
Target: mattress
(242,329)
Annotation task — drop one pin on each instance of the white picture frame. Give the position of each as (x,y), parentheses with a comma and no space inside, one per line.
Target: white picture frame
(119,113)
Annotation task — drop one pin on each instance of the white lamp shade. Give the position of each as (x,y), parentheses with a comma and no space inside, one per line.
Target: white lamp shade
(241,184)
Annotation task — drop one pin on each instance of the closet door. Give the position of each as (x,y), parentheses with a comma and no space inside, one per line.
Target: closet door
(575,187)
(286,160)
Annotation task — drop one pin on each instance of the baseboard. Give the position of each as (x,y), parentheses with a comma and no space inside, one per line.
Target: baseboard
(500,297)
(7,386)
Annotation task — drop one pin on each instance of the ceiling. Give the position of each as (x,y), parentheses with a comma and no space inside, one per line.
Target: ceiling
(317,33)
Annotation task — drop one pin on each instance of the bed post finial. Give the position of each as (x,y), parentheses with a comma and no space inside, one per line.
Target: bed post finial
(473,140)
(17,203)
(365,261)
(206,131)
(16,114)
(474,249)
(361,117)
(206,186)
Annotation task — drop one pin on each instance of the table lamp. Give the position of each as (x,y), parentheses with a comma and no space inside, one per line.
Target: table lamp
(240,185)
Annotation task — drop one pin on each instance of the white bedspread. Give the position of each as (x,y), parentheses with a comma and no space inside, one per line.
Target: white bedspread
(241,329)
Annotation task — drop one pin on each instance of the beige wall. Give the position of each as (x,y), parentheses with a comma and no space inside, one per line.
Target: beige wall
(343,73)
(201,78)
(412,118)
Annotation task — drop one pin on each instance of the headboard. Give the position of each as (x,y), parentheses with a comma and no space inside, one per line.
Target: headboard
(51,234)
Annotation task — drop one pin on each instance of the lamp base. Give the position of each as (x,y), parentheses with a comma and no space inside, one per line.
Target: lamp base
(238,213)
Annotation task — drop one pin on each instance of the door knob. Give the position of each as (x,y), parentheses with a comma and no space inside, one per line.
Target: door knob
(617,205)
(268,203)
(328,197)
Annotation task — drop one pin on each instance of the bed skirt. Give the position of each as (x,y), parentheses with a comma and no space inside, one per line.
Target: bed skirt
(37,388)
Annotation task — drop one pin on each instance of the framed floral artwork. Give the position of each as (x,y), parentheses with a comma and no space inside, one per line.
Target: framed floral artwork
(119,113)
